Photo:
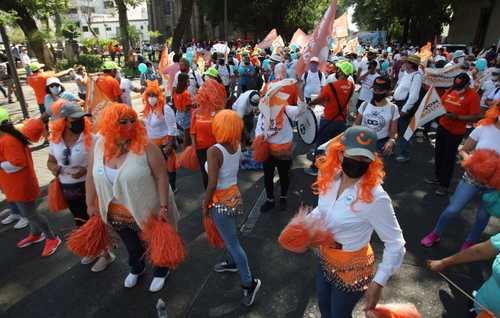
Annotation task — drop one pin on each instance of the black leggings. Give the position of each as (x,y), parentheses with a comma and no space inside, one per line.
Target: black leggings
(445,155)
(202,158)
(74,195)
(283,172)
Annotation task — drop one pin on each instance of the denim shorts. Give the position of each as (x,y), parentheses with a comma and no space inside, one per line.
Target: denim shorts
(183,119)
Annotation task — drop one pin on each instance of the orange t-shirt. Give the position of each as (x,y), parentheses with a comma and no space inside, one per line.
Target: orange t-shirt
(465,104)
(182,100)
(344,90)
(38,81)
(291,90)
(109,86)
(201,128)
(20,186)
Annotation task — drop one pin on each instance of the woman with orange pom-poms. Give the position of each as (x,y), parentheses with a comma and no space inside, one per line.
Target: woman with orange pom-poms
(127,188)
(222,201)
(352,204)
(481,160)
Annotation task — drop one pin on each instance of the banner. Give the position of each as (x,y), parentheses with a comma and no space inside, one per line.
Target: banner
(352,46)
(300,38)
(278,42)
(340,27)
(442,77)
(268,40)
(318,45)
(96,100)
(429,108)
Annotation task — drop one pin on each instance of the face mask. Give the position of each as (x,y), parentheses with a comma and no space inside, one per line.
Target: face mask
(353,168)
(152,100)
(378,97)
(127,131)
(313,68)
(55,90)
(77,126)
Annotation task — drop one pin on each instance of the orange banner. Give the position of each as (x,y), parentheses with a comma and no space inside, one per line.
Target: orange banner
(300,38)
(268,40)
(340,27)
(96,100)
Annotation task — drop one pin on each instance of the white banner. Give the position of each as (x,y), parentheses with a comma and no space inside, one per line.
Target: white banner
(442,77)
(429,108)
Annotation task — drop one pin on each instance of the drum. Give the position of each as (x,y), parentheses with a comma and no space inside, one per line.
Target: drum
(308,124)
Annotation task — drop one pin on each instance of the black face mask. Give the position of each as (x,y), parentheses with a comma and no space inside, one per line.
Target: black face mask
(77,126)
(378,97)
(353,168)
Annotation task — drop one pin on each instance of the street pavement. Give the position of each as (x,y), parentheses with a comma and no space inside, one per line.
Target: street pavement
(59,286)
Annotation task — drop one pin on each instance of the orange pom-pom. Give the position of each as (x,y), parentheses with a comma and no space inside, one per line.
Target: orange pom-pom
(90,239)
(213,236)
(296,236)
(188,159)
(320,235)
(33,129)
(394,311)
(165,247)
(482,165)
(56,197)
(260,149)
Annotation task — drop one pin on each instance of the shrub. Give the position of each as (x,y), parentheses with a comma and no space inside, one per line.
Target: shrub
(91,62)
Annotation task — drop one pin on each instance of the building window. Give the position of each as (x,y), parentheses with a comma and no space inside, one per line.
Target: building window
(168,7)
(96,30)
(85,28)
(73,10)
(108,28)
(108,4)
(142,27)
(87,10)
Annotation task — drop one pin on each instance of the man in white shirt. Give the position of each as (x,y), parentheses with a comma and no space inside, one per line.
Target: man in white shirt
(126,86)
(25,60)
(246,105)
(225,73)
(366,80)
(195,79)
(312,80)
(406,97)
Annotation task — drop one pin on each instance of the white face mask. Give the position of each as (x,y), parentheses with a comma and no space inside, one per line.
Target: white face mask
(152,100)
(55,90)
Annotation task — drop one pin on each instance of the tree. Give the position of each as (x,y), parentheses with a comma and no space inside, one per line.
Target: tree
(134,36)
(121,6)
(182,23)
(154,35)
(16,35)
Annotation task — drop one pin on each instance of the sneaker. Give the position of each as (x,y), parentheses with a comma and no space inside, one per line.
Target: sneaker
(51,246)
(102,263)
(157,283)
(431,180)
(430,239)
(225,266)
(282,203)
(466,245)
(311,171)
(267,206)
(21,224)
(87,260)
(131,279)
(30,239)
(10,219)
(402,159)
(441,191)
(249,293)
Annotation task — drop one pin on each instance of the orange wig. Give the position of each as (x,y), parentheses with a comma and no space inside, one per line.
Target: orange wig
(58,126)
(33,129)
(211,96)
(227,127)
(491,116)
(108,126)
(330,164)
(153,88)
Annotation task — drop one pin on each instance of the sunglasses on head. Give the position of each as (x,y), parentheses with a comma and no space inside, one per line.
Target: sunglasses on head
(125,121)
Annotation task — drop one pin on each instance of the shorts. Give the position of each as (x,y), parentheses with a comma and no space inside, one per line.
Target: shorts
(183,119)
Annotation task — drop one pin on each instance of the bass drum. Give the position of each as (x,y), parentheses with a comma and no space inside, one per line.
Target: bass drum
(308,124)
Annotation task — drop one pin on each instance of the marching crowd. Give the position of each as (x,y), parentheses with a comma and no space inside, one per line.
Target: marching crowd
(116,170)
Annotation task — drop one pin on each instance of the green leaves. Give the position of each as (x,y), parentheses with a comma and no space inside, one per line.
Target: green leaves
(8,17)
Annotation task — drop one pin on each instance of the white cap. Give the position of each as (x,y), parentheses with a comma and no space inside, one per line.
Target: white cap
(52,80)
(314,59)
(275,58)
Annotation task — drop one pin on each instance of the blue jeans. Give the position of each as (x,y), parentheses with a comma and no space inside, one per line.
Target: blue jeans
(226,225)
(332,302)
(13,209)
(464,193)
(403,144)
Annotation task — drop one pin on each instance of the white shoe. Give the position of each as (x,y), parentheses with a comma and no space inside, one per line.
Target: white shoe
(21,224)
(10,219)
(157,283)
(131,280)
(87,260)
(102,263)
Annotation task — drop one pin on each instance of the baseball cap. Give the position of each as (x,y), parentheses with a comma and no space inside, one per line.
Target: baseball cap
(460,81)
(360,141)
(36,66)
(412,58)
(457,54)
(212,71)
(314,59)
(110,65)
(4,115)
(71,110)
(346,67)
(52,80)
(382,82)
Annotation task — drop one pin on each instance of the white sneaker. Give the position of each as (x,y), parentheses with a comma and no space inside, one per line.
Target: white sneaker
(10,219)
(157,283)
(131,279)
(21,224)
(87,260)
(102,263)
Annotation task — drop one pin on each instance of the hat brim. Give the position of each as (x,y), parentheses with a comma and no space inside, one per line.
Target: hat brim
(360,152)
(79,115)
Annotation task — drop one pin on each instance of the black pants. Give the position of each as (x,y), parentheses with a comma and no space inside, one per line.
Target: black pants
(283,172)
(137,252)
(172,177)
(202,158)
(74,195)
(445,155)
(41,107)
(82,96)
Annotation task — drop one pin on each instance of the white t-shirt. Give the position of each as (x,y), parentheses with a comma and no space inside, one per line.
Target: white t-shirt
(161,126)
(225,73)
(78,157)
(365,92)
(487,137)
(494,94)
(313,84)
(378,118)
(195,81)
(242,104)
(126,86)
(275,135)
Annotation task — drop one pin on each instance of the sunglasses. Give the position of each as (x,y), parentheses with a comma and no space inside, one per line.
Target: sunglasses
(66,155)
(53,85)
(126,121)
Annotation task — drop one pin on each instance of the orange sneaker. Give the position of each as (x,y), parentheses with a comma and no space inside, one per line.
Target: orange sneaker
(30,240)
(51,246)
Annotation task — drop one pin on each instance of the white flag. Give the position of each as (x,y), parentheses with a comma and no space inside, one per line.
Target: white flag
(429,108)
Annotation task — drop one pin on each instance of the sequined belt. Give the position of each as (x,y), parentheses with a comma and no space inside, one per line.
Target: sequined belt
(348,271)
(119,217)
(227,201)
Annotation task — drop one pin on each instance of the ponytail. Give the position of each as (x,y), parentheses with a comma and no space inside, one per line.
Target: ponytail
(8,128)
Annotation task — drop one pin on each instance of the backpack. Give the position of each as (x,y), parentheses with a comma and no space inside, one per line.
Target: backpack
(307,74)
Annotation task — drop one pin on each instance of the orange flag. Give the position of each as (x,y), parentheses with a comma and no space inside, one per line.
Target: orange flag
(164,61)
(96,100)
(300,38)
(318,45)
(425,53)
(268,40)
(340,27)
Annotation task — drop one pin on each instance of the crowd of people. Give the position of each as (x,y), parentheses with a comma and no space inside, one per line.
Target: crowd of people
(116,171)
